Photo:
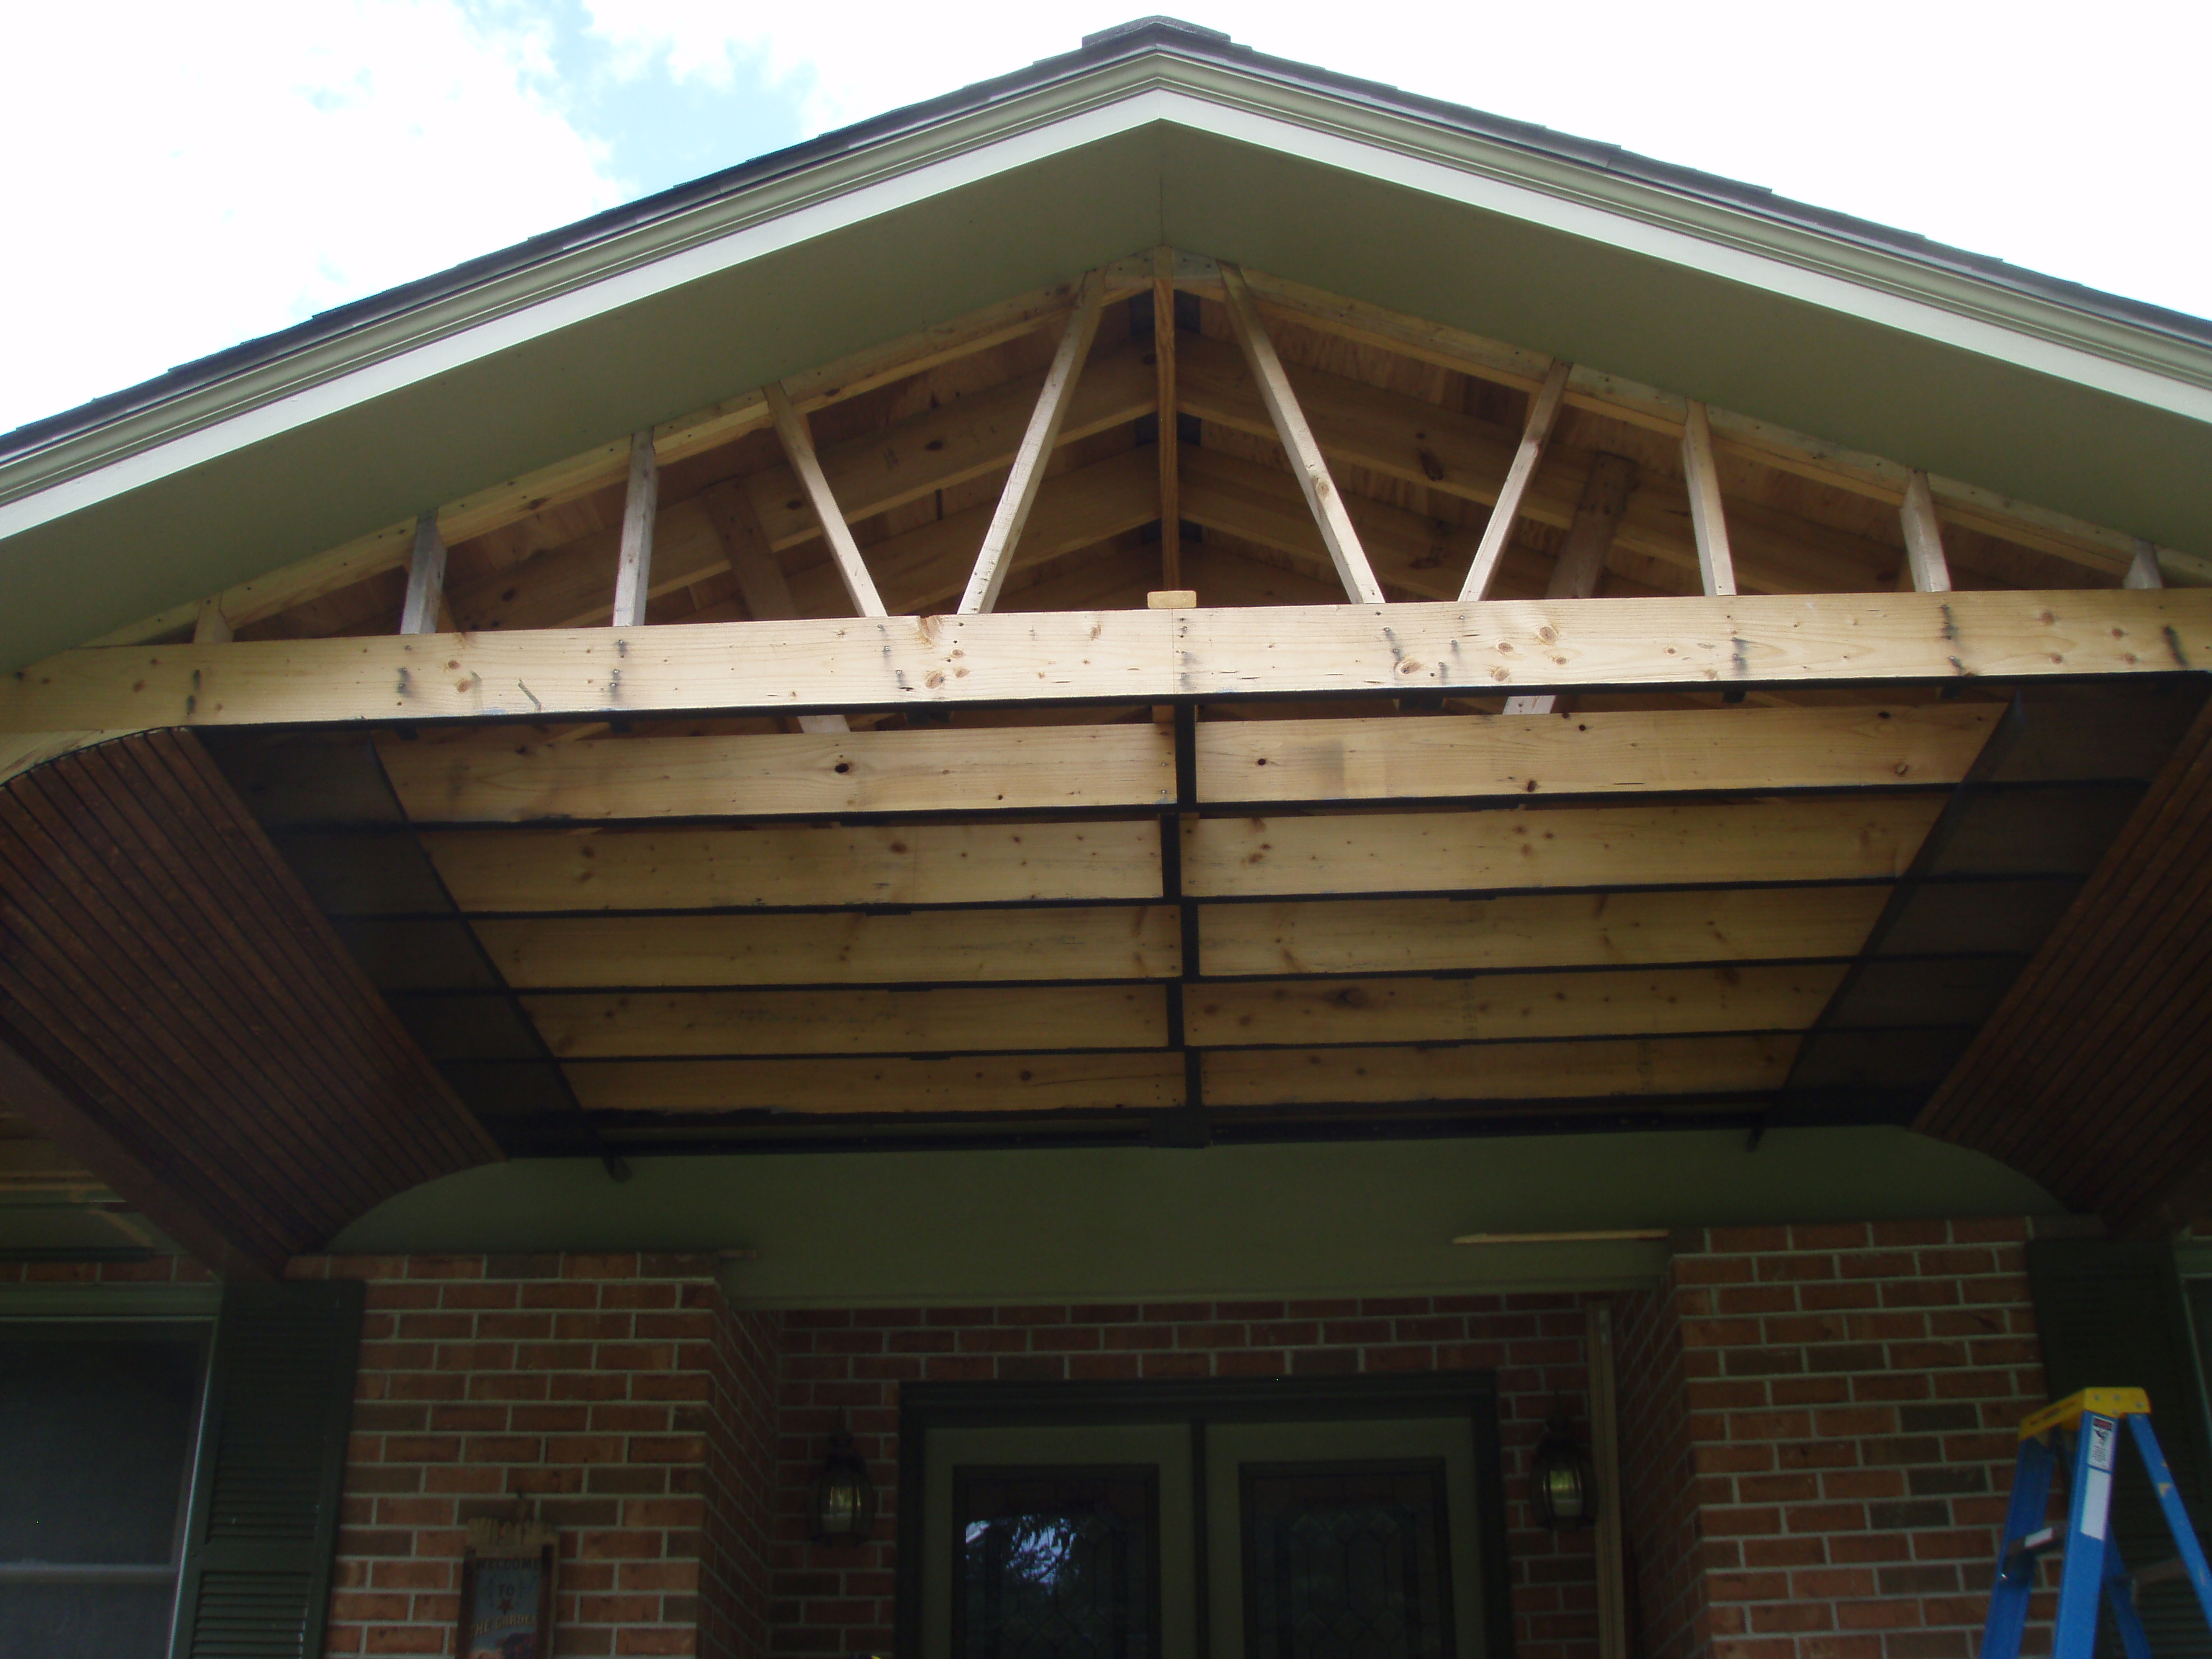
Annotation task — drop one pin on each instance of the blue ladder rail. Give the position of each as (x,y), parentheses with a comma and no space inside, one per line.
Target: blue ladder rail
(2091,1572)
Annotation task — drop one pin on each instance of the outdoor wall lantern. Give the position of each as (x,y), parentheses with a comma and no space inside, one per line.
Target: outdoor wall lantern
(843,1506)
(1562,1484)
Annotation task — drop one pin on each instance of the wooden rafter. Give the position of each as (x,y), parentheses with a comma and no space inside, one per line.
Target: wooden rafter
(633,560)
(1308,464)
(1020,493)
(1701,478)
(844,552)
(1543,411)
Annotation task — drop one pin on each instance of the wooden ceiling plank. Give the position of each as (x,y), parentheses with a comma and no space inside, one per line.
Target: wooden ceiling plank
(798,865)
(78,934)
(231,1241)
(1060,942)
(845,552)
(1289,427)
(1144,1080)
(1038,441)
(1646,1002)
(711,1024)
(1868,838)
(1472,757)
(1006,769)
(1135,656)
(634,559)
(1543,411)
(1535,931)
(1616,1066)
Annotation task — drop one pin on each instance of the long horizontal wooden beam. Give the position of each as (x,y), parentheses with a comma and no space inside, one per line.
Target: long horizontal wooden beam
(1122,656)
(1653,1068)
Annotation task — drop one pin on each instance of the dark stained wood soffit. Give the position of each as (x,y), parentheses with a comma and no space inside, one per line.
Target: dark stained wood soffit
(2094,1075)
(178,1015)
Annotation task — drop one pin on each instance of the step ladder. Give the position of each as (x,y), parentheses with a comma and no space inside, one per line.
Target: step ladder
(2091,1572)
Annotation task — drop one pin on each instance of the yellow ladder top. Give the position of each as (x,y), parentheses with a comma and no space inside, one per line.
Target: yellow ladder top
(2067,1414)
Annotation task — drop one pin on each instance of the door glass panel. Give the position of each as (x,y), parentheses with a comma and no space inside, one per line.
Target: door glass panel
(1055,1564)
(1346,1561)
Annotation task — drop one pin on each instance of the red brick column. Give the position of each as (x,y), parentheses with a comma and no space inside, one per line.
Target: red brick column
(1848,1400)
(840,1601)
(587,1383)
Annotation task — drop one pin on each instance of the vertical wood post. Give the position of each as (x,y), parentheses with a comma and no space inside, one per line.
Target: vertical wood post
(1924,537)
(426,578)
(633,568)
(1164,354)
(1701,477)
(2144,571)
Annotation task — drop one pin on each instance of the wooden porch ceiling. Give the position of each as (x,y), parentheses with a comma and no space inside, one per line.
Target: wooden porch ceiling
(1672,770)
(1208,927)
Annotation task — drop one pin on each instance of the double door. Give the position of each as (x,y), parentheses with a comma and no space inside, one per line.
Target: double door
(1347,1520)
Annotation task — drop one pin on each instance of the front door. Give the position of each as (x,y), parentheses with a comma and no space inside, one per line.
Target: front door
(1353,1519)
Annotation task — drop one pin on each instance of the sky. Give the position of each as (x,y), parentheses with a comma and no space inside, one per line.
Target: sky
(182,177)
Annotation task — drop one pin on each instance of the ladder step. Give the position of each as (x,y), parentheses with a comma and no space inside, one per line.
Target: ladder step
(2164,1572)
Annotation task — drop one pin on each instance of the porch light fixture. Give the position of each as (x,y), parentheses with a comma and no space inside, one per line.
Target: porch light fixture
(841,1507)
(1562,1484)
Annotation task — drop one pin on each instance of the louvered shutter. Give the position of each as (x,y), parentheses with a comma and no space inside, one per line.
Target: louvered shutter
(2110,1316)
(256,1570)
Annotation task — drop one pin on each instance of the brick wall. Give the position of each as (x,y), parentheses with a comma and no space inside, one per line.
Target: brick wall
(581,1383)
(840,1601)
(1850,1399)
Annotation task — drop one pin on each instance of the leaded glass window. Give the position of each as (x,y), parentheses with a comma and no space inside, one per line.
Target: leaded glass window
(1346,1561)
(1055,1564)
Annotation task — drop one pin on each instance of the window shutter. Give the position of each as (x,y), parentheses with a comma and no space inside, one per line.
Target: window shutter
(255,1579)
(2110,1316)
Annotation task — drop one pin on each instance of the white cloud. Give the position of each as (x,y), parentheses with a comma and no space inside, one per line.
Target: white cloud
(185,179)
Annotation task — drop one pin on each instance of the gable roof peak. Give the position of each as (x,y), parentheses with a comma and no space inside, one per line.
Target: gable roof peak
(1157,23)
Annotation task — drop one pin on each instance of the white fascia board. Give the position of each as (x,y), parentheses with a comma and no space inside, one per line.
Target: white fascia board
(1657,233)
(1446,163)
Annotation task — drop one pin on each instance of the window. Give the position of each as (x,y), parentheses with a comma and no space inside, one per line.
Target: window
(98,1423)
